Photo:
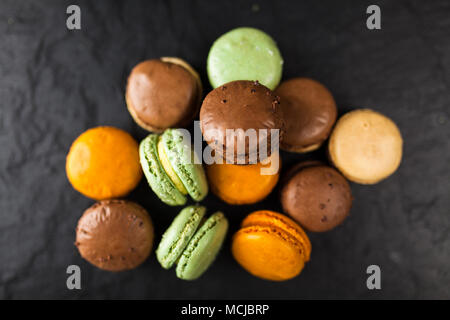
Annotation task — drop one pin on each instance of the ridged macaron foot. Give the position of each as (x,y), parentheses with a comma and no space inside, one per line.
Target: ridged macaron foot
(271,246)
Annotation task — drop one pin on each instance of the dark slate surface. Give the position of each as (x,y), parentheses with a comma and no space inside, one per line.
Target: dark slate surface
(56,83)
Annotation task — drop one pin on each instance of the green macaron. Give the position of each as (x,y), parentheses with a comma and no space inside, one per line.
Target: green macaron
(245,54)
(171,167)
(192,242)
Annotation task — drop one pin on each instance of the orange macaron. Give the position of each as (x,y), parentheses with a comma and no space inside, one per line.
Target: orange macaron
(271,246)
(244,184)
(103,163)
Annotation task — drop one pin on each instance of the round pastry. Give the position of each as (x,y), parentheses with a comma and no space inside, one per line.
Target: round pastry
(192,242)
(163,93)
(238,108)
(237,184)
(103,163)
(271,246)
(365,146)
(169,164)
(309,113)
(245,54)
(115,235)
(316,196)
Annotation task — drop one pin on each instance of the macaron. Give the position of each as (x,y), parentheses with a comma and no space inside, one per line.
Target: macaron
(365,146)
(244,54)
(192,242)
(238,184)
(103,163)
(163,93)
(316,196)
(309,113)
(115,235)
(172,168)
(271,246)
(242,121)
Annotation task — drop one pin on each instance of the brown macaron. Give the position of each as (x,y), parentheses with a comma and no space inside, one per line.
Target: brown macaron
(115,235)
(241,105)
(309,112)
(163,93)
(316,196)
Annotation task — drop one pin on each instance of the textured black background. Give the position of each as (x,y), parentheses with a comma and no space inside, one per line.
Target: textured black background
(56,83)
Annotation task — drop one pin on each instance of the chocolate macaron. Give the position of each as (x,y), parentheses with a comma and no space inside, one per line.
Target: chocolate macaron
(316,196)
(309,113)
(163,93)
(115,235)
(238,108)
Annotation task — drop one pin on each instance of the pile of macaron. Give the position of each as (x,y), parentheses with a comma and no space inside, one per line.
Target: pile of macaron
(163,95)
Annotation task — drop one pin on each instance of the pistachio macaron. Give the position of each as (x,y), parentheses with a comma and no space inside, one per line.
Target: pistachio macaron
(172,168)
(365,146)
(245,54)
(192,242)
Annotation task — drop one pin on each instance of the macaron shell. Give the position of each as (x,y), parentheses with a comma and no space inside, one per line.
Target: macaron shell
(296,168)
(265,218)
(196,76)
(203,248)
(183,160)
(157,178)
(115,235)
(309,112)
(244,54)
(103,163)
(267,254)
(238,184)
(318,197)
(177,236)
(365,146)
(244,107)
(152,100)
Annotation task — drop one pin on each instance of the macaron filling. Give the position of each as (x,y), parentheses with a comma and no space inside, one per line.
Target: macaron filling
(282,227)
(156,176)
(192,242)
(182,158)
(177,237)
(205,249)
(168,168)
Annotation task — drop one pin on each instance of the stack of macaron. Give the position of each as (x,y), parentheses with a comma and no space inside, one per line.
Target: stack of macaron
(298,115)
